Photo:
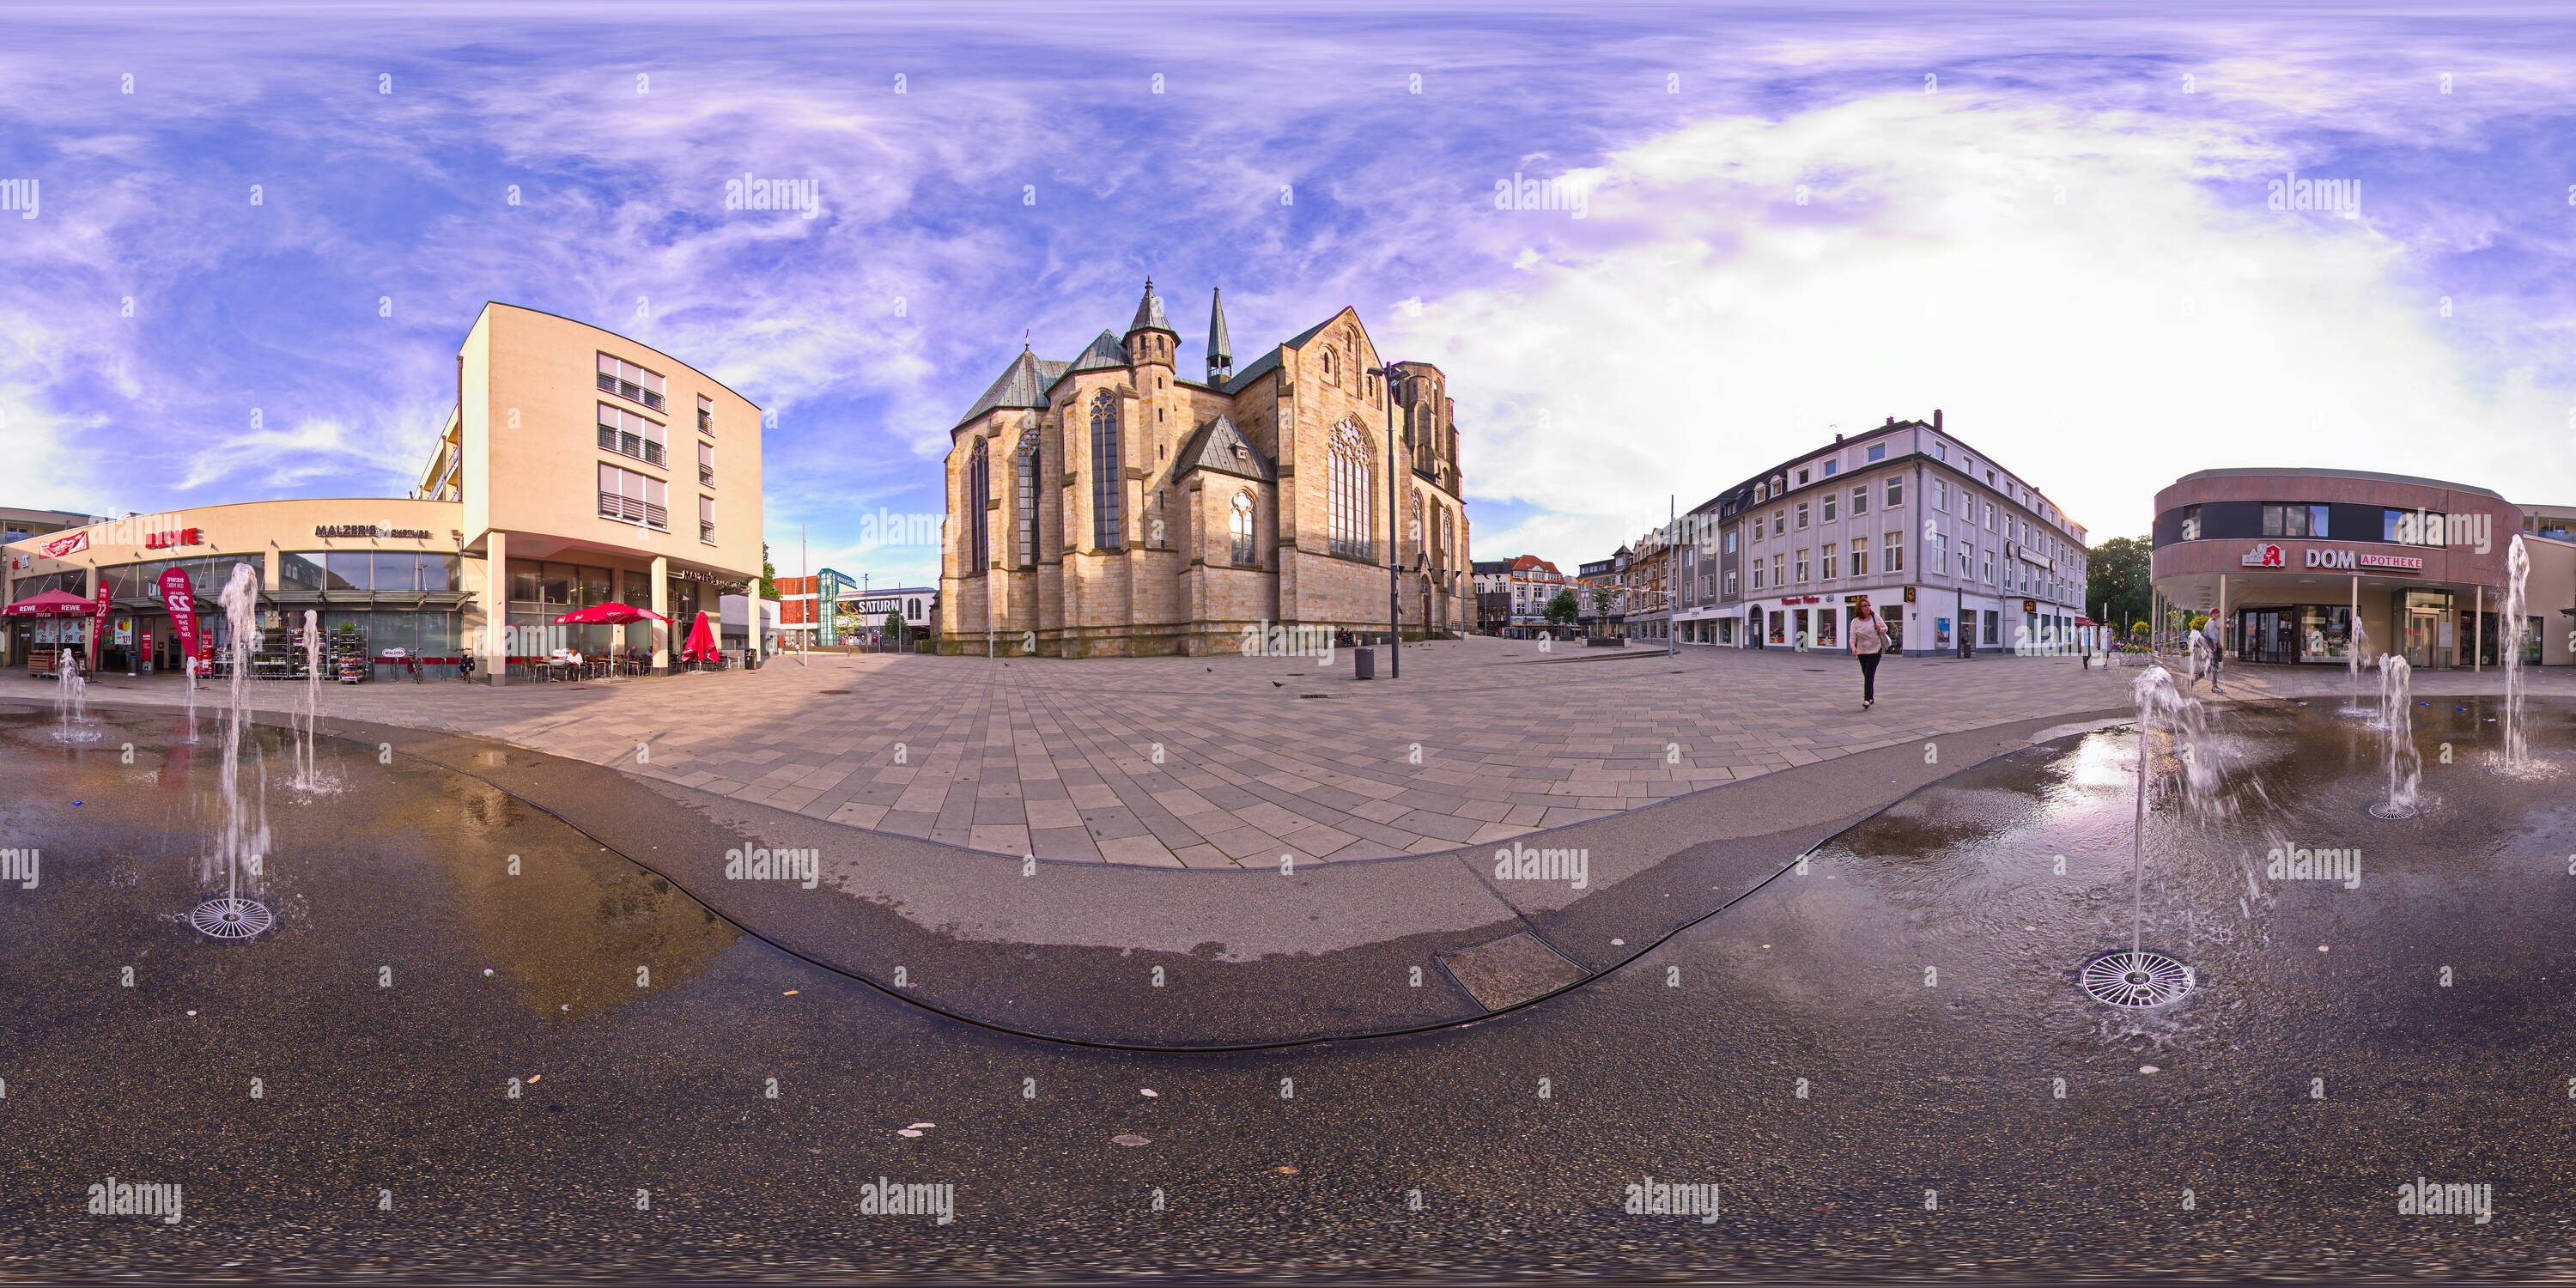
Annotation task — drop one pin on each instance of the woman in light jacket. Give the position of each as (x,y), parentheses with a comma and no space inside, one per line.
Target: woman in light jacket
(1868,643)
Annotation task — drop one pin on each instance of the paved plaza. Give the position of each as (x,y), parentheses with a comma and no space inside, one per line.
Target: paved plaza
(1208,762)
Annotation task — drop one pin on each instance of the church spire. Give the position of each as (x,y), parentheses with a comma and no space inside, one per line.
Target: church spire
(1144,346)
(1220,356)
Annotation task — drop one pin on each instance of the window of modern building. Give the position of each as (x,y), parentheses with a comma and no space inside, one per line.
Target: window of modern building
(629,434)
(1878,451)
(1730,584)
(1940,451)
(1994,623)
(1239,522)
(632,498)
(1990,516)
(1967,560)
(707,464)
(1892,555)
(1757,574)
(1832,468)
(706,414)
(1860,500)
(1779,570)
(630,382)
(1825,568)
(1730,541)
(1895,491)
(2280,520)
(1829,501)
(1108,487)
(1352,519)
(1802,565)
(1802,516)
(1802,478)
(1779,522)
(1990,565)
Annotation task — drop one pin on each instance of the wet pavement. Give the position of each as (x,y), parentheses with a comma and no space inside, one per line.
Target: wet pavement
(1880,1059)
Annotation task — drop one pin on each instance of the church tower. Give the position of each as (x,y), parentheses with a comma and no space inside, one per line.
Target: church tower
(1150,338)
(1220,350)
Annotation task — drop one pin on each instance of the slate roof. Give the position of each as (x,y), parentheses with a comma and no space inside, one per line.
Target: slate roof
(1105,351)
(1149,312)
(1269,362)
(1022,384)
(1221,447)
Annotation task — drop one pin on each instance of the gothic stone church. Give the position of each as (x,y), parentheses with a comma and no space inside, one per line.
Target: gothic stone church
(1109,507)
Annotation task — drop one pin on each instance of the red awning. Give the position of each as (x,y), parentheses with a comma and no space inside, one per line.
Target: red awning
(2086,621)
(53,603)
(608,615)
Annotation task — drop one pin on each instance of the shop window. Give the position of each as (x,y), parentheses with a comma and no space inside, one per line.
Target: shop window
(299,571)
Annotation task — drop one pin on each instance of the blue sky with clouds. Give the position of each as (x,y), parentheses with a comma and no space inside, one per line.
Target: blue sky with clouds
(2050,222)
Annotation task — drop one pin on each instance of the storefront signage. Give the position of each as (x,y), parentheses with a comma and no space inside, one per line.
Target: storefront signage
(182,602)
(97,622)
(70,543)
(175,537)
(2265,556)
(369,530)
(2348,560)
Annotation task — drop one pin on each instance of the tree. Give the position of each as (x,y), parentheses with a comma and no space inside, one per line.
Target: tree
(893,627)
(2116,579)
(768,574)
(1602,598)
(1563,609)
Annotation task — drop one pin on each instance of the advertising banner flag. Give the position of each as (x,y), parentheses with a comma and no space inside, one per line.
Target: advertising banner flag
(97,623)
(182,602)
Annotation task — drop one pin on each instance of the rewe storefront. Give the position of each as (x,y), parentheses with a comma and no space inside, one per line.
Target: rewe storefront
(2314,566)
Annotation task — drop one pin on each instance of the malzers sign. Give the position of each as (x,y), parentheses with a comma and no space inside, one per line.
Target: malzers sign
(368,530)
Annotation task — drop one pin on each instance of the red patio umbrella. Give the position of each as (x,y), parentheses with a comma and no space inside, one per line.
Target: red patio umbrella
(52,603)
(702,640)
(608,615)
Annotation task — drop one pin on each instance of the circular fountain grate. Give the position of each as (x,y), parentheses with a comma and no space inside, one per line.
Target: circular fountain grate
(231,918)
(2136,979)
(2391,810)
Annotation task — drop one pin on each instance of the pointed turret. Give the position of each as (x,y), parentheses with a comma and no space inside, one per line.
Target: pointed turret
(1144,344)
(1220,356)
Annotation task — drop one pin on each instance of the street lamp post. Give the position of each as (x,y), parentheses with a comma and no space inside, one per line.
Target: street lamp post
(1388,375)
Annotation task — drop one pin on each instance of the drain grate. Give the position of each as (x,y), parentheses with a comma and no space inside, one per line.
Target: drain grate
(2136,979)
(2392,811)
(231,918)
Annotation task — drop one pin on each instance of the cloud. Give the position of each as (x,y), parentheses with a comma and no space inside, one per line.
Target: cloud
(2098,299)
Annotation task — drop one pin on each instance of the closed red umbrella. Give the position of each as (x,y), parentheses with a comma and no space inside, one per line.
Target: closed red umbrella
(608,615)
(702,640)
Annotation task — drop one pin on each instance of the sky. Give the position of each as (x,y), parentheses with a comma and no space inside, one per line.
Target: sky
(2055,223)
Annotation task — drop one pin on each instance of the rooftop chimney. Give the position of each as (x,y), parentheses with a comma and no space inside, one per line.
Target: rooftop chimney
(1936,418)
(1891,420)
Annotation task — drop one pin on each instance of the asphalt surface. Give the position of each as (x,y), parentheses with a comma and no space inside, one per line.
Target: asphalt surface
(1929,1140)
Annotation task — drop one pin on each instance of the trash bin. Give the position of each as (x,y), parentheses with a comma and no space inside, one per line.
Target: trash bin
(1363,664)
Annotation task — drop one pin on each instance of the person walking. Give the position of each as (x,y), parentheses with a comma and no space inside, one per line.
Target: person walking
(2210,632)
(1868,643)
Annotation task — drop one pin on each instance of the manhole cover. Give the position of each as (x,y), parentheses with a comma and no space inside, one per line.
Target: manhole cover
(2136,979)
(1510,970)
(231,918)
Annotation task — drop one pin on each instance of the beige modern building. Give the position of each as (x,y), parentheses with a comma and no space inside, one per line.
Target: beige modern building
(1108,506)
(577,467)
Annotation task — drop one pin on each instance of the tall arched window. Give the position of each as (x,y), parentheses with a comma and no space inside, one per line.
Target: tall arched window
(1353,531)
(1414,535)
(1025,467)
(979,489)
(1332,366)
(1108,489)
(1240,524)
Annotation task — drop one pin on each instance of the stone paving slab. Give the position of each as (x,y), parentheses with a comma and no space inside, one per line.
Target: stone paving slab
(1216,762)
